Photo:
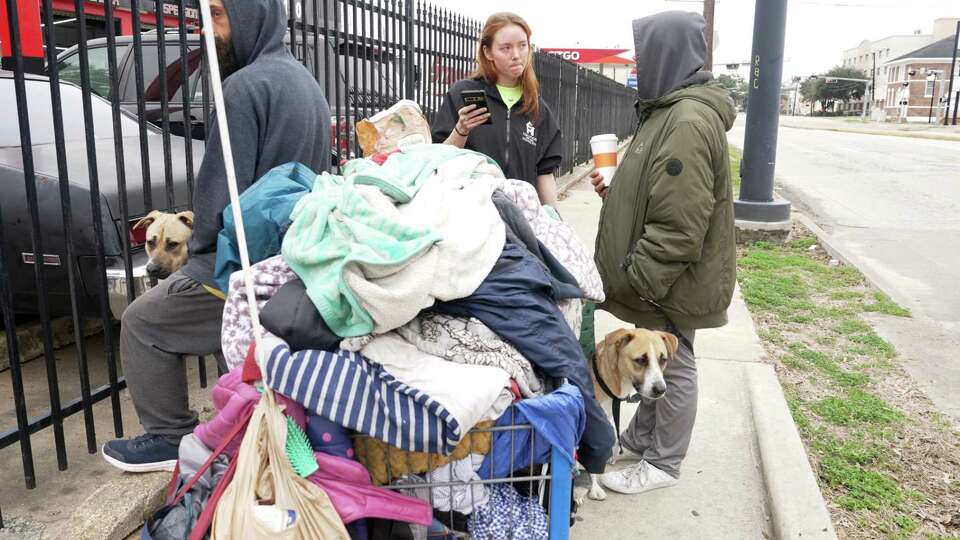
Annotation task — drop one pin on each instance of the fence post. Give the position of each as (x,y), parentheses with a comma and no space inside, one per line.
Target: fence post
(408,61)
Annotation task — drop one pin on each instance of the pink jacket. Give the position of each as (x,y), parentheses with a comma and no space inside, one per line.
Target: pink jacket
(346,482)
(348,485)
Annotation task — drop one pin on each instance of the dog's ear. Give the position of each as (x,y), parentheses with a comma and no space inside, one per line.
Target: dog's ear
(147,220)
(608,357)
(671,341)
(621,338)
(186,218)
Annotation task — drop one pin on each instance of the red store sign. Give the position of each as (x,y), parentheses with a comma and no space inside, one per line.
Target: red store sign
(591,56)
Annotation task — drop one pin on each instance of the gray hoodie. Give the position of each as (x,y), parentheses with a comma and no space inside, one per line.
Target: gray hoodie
(276,113)
(671,49)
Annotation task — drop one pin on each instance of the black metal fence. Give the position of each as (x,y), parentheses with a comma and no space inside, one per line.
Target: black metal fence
(115,129)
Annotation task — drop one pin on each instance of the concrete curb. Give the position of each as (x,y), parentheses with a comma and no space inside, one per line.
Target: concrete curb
(824,238)
(117,508)
(797,508)
(884,133)
(581,171)
(30,338)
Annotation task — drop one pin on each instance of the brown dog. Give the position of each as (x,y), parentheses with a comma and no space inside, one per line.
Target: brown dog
(627,361)
(167,236)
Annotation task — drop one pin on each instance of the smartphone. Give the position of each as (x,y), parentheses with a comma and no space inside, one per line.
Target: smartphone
(478,98)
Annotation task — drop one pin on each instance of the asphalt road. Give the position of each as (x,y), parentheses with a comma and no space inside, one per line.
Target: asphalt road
(893,205)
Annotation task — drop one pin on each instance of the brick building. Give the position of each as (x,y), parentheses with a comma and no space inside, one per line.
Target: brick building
(870,57)
(918,83)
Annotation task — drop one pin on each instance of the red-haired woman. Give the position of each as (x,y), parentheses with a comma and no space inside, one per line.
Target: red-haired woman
(523,137)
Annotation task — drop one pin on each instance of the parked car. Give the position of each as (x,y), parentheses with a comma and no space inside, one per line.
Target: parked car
(371,67)
(18,248)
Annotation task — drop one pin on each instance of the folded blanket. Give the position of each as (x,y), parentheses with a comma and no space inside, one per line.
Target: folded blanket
(469,341)
(266,207)
(371,266)
(339,229)
(467,392)
(361,395)
(403,173)
(558,237)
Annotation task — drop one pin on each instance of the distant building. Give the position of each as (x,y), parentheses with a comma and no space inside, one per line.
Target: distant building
(871,56)
(918,83)
(608,62)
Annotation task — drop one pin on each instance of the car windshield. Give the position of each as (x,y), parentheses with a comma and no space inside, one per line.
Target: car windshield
(41,114)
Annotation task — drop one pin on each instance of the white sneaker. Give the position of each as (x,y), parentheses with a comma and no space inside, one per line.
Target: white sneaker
(637,478)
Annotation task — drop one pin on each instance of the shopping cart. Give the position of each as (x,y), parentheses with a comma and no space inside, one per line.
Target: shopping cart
(547,484)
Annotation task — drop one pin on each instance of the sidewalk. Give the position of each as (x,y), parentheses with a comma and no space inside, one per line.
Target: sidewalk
(90,500)
(746,474)
(744,443)
(855,125)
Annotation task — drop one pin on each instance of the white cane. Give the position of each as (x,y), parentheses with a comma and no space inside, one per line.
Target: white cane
(217,86)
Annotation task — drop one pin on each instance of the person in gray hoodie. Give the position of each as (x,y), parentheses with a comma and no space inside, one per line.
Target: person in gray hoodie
(665,247)
(276,113)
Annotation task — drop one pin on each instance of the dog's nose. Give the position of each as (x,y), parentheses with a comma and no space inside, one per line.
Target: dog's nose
(659,388)
(153,270)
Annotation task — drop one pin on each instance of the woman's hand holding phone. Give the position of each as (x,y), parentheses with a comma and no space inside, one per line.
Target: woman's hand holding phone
(470,117)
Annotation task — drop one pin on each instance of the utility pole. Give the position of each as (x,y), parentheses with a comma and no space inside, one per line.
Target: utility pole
(873,82)
(708,8)
(933,95)
(953,67)
(756,202)
(796,94)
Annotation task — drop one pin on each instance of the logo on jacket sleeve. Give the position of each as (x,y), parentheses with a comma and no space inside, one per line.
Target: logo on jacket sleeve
(674,167)
(530,137)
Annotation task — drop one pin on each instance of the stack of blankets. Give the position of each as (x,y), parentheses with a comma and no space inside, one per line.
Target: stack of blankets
(414,298)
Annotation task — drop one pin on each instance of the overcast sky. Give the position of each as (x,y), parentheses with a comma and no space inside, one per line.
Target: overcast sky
(818,31)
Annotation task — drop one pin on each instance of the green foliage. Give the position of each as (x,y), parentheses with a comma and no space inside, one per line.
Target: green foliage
(737,87)
(857,407)
(827,90)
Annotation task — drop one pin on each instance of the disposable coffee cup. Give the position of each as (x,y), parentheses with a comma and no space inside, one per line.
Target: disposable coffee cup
(605,155)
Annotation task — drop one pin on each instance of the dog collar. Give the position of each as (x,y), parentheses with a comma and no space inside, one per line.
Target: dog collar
(596,374)
(635,398)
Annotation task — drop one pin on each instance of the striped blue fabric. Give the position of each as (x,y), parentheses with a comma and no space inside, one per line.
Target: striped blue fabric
(359,394)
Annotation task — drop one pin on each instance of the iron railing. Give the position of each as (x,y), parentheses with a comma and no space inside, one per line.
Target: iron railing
(129,147)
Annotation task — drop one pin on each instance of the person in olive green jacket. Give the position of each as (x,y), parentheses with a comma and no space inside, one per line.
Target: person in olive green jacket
(665,246)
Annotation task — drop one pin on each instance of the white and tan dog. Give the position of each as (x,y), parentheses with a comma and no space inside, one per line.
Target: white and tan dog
(624,362)
(166,241)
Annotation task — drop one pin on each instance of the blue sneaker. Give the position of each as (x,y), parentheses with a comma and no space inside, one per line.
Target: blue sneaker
(146,453)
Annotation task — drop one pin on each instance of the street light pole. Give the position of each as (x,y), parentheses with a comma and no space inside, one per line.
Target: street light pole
(953,66)
(873,83)
(933,95)
(796,95)
(763,114)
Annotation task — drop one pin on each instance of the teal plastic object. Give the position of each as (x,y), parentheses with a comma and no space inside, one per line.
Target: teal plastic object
(299,451)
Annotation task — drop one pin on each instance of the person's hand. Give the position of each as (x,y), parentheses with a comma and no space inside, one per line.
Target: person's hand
(470,117)
(597,180)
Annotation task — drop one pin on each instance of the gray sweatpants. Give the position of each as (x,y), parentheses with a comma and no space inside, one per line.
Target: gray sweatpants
(176,318)
(660,430)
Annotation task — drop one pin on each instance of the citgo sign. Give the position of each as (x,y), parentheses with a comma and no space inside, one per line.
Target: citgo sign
(573,56)
(591,56)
